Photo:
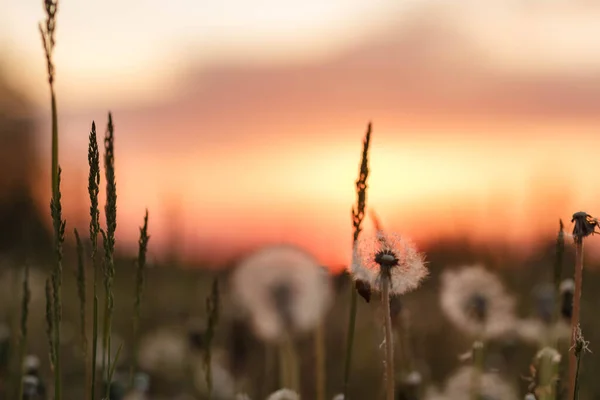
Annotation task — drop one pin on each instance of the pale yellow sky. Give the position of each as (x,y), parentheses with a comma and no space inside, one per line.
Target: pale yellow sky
(115,52)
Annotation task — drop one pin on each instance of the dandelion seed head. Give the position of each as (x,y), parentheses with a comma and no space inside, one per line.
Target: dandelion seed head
(31,364)
(391,255)
(537,332)
(282,289)
(567,285)
(493,387)
(414,378)
(163,352)
(475,300)
(550,353)
(223,383)
(284,394)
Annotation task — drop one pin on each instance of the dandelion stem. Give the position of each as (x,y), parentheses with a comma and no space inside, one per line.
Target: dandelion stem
(320,361)
(389,341)
(576,310)
(288,365)
(478,359)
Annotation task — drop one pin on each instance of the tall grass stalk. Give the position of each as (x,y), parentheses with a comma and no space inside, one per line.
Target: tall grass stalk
(320,367)
(59,238)
(82,294)
(358,215)
(48,42)
(108,236)
(212,309)
(94,189)
(139,292)
(25,299)
(389,341)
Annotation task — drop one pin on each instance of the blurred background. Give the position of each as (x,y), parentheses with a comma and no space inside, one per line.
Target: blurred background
(240,123)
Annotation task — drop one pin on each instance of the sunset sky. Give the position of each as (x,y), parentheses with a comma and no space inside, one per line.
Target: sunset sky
(240,123)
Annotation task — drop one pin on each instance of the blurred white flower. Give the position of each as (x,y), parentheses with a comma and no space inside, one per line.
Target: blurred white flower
(339,396)
(535,331)
(223,384)
(388,253)
(475,300)
(284,394)
(282,289)
(493,387)
(164,352)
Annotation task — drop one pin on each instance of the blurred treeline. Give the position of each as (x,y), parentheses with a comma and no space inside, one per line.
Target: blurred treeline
(176,295)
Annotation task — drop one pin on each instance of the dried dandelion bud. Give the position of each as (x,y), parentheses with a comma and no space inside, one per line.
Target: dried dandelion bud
(474,300)
(284,394)
(391,256)
(585,225)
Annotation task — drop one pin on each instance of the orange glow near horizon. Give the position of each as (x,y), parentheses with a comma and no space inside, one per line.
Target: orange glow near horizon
(221,202)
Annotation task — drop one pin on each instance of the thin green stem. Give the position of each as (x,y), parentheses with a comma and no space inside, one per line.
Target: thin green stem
(288,364)
(94,345)
(576,385)
(478,360)
(26,296)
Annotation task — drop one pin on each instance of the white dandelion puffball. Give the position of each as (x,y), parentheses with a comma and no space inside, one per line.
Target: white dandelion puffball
(284,394)
(534,331)
(375,255)
(223,384)
(282,289)
(493,387)
(474,300)
(164,352)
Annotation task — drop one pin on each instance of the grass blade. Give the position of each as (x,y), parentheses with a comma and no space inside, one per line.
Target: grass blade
(139,292)
(358,214)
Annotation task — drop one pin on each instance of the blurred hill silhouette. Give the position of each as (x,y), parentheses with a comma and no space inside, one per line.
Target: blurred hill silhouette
(21,222)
